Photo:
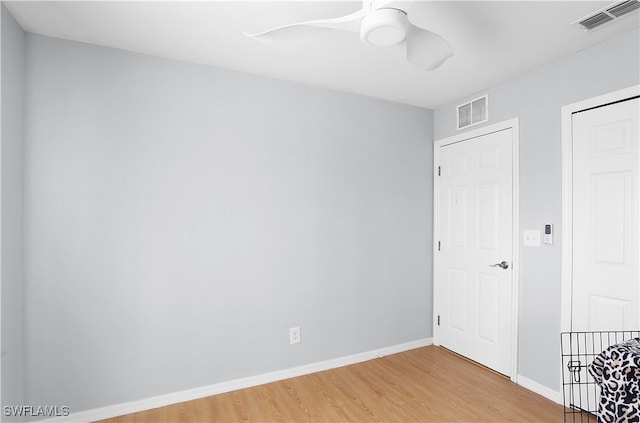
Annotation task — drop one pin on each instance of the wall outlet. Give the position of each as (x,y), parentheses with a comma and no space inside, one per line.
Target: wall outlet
(294,335)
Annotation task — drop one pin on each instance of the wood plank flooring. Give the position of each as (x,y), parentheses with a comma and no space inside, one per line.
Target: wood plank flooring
(427,384)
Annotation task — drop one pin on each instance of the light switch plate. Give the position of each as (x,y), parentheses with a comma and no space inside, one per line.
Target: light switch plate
(531,238)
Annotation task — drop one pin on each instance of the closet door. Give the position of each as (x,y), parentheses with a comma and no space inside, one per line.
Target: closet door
(606,217)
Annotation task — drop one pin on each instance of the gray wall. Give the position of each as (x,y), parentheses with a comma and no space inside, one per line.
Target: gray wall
(11,121)
(180,218)
(536,98)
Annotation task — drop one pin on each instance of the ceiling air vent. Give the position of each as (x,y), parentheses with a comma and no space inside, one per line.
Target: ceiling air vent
(474,112)
(595,21)
(608,14)
(624,8)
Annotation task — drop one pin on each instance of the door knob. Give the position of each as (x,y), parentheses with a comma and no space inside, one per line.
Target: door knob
(504,265)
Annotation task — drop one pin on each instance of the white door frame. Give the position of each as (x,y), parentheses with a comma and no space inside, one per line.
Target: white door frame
(466,136)
(567,191)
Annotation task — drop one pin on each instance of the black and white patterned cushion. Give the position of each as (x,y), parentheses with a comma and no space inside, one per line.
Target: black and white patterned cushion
(617,372)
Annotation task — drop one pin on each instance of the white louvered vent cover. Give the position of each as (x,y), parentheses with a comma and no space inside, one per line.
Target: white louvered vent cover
(608,14)
(474,112)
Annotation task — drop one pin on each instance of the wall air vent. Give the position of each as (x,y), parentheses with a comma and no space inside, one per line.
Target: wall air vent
(608,14)
(474,112)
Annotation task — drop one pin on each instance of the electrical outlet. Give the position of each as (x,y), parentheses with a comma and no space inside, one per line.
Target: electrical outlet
(294,335)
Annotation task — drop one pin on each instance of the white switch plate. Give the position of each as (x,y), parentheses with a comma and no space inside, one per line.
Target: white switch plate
(531,238)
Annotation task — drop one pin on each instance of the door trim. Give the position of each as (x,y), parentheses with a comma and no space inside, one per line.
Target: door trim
(512,124)
(567,192)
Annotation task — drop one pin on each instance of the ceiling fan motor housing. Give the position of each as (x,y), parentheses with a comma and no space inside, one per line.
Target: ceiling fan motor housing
(384,27)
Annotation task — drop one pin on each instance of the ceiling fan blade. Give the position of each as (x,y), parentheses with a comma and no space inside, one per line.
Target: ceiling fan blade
(425,49)
(350,22)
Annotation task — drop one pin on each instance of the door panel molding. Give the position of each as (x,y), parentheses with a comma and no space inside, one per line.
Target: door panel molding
(512,124)
(567,188)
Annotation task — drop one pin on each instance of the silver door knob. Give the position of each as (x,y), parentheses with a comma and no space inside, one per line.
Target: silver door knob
(504,265)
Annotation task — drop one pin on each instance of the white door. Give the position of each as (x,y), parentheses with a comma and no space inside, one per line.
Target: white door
(606,277)
(474,264)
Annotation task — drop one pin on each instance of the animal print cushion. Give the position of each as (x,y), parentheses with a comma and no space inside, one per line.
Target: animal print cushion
(617,372)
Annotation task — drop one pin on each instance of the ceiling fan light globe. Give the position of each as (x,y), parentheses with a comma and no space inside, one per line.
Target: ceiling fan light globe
(384,27)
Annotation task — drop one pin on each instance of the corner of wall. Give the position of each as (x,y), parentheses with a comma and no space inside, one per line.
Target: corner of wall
(12,341)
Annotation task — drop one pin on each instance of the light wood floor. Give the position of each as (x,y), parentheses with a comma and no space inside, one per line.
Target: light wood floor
(427,384)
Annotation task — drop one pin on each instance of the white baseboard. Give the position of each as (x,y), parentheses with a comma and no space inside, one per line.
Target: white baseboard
(232,385)
(555,396)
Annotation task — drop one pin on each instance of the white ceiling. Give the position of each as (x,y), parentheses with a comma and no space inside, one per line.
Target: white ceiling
(492,40)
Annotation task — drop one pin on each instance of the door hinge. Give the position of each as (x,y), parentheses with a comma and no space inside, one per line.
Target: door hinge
(439,170)
(438,320)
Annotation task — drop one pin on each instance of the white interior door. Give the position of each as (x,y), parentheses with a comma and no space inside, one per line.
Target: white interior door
(606,216)
(474,229)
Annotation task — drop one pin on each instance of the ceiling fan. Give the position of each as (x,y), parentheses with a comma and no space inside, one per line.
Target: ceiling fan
(381,23)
